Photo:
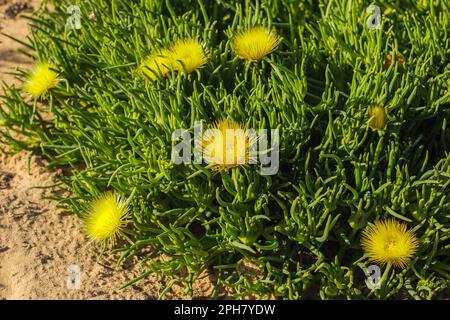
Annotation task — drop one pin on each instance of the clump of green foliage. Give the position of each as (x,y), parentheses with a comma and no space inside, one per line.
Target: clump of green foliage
(301,228)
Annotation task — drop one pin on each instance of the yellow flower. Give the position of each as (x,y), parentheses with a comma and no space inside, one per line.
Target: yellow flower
(378,117)
(106,218)
(228,145)
(389,241)
(188,55)
(255,43)
(157,65)
(40,80)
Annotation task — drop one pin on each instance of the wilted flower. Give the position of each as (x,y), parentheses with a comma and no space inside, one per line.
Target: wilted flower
(400,58)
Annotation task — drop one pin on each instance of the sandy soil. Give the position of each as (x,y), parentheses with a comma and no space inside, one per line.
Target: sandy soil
(41,248)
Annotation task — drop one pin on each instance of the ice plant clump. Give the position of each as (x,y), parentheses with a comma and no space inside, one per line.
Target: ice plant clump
(227,145)
(188,55)
(157,65)
(254,44)
(40,80)
(378,117)
(389,241)
(106,218)
(292,211)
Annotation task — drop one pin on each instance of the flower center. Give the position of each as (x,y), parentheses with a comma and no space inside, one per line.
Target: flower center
(391,245)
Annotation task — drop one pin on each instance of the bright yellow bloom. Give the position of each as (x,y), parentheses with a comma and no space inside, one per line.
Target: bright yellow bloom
(157,65)
(378,117)
(255,43)
(389,241)
(106,218)
(188,55)
(40,80)
(228,145)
